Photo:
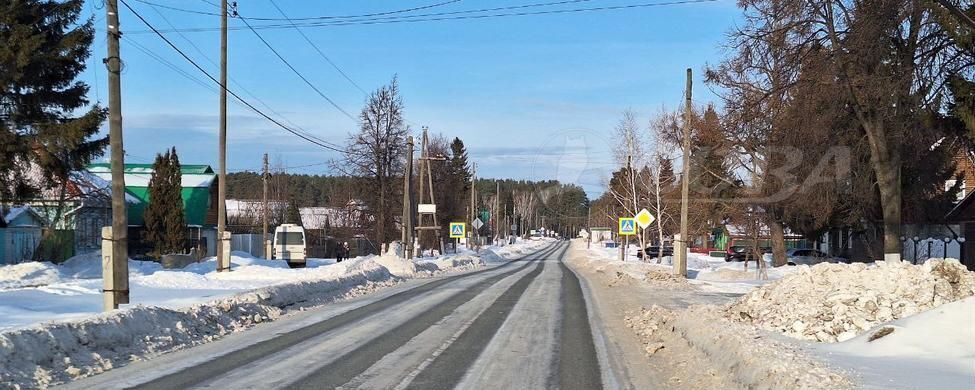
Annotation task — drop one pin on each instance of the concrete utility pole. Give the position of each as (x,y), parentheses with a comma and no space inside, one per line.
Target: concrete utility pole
(223,261)
(115,269)
(407,223)
(494,217)
(265,175)
(588,227)
(680,254)
(474,232)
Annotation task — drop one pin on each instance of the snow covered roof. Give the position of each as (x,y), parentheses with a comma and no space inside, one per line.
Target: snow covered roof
(316,217)
(138,175)
(241,207)
(16,212)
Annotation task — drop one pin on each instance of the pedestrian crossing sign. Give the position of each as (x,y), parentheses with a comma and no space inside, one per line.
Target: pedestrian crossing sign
(458,230)
(627,226)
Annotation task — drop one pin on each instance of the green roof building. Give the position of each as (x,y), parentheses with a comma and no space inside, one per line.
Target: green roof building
(199,191)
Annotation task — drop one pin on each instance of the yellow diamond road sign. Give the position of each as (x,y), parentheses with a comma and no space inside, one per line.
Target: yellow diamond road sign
(644,218)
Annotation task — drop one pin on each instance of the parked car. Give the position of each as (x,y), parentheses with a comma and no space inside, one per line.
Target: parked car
(739,252)
(810,257)
(289,245)
(654,250)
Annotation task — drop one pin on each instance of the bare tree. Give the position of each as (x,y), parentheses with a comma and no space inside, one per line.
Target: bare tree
(663,175)
(890,60)
(376,152)
(630,154)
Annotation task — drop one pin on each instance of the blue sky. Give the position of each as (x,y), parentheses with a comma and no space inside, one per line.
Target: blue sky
(533,97)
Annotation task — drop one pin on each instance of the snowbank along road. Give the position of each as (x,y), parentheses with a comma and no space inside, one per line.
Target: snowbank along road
(524,325)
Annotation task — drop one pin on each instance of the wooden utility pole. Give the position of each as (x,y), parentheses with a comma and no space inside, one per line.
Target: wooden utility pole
(680,257)
(407,223)
(223,261)
(426,171)
(265,176)
(421,178)
(117,291)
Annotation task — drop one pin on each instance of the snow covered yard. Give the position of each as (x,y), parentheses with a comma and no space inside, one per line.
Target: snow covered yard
(52,329)
(712,274)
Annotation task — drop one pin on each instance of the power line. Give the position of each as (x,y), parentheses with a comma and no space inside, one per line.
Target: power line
(301,76)
(232,93)
(399,11)
(316,47)
(419,18)
(232,80)
(170,65)
(281,168)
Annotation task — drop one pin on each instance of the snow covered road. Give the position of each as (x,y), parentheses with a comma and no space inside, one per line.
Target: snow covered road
(524,324)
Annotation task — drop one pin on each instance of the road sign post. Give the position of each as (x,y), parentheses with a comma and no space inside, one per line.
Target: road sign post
(476,231)
(458,229)
(627,228)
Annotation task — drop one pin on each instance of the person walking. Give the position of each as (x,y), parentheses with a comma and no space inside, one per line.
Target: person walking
(339,253)
(346,250)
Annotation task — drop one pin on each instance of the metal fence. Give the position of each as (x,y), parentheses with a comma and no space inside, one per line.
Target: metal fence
(919,249)
(250,243)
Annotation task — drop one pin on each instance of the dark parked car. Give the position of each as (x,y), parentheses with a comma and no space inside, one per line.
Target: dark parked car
(654,250)
(738,252)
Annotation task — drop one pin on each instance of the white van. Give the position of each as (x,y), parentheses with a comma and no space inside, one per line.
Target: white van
(289,245)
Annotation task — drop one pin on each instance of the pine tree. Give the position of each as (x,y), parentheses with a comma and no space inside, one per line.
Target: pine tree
(43,49)
(164,217)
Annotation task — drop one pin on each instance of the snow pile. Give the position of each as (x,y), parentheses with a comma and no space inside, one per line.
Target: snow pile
(837,302)
(939,334)
(56,352)
(31,274)
(171,309)
(728,348)
(930,350)
(462,262)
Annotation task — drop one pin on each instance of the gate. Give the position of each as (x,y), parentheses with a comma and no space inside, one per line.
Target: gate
(19,244)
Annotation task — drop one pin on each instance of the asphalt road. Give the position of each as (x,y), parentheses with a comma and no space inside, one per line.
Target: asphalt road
(522,325)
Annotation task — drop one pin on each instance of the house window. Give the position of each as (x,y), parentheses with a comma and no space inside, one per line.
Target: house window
(961,190)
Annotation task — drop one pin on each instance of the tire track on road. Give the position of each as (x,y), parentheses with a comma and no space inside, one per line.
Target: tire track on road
(345,368)
(578,362)
(233,359)
(449,368)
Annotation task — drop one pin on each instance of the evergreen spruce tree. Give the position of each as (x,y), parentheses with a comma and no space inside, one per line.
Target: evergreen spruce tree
(164,217)
(175,214)
(43,49)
